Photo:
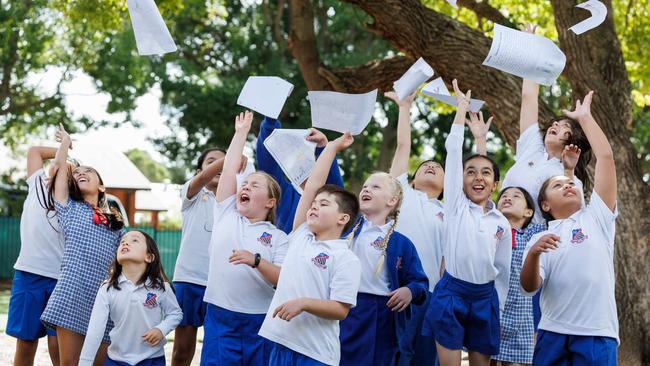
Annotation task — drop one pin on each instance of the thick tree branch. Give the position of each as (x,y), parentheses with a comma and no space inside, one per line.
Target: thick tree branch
(302,44)
(484,10)
(378,74)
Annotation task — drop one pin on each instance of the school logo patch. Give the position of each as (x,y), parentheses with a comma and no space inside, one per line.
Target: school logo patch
(441,216)
(499,233)
(321,260)
(377,243)
(265,239)
(577,236)
(151,301)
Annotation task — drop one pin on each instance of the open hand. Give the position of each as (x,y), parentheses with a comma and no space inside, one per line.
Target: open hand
(529,28)
(477,125)
(461,98)
(153,336)
(343,142)
(406,103)
(63,137)
(317,136)
(243,121)
(570,156)
(400,299)
(583,109)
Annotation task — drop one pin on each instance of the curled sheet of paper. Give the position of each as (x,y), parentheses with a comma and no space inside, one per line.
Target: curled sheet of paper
(340,111)
(598,12)
(438,90)
(418,73)
(265,95)
(293,153)
(525,55)
(452,3)
(151,34)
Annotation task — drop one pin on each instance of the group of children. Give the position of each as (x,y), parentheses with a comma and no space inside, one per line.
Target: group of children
(406,272)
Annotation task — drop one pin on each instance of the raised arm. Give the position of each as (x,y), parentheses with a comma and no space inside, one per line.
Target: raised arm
(232,162)
(204,177)
(605,174)
(61,166)
(36,155)
(263,158)
(479,129)
(334,175)
(570,158)
(454,147)
(402,154)
(319,175)
(528,114)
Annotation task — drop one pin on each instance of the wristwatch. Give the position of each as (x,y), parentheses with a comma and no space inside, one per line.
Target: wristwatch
(258,258)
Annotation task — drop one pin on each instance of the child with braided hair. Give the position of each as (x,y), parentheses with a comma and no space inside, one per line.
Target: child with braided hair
(391,277)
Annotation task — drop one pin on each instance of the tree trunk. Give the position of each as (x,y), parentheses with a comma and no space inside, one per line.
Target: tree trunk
(594,61)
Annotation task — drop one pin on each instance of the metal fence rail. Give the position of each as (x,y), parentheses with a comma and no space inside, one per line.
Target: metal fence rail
(168,243)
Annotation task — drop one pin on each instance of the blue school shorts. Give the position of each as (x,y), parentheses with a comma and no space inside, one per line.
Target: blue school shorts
(562,349)
(537,311)
(283,356)
(416,349)
(156,361)
(368,335)
(230,338)
(29,295)
(190,299)
(464,314)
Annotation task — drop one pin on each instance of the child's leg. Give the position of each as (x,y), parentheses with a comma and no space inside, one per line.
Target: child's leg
(53,348)
(478,359)
(70,344)
(448,357)
(25,352)
(184,345)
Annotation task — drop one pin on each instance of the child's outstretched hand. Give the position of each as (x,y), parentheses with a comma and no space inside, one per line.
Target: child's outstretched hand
(243,121)
(63,137)
(289,309)
(461,98)
(583,109)
(343,142)
(399,299)
(153,336)
(316,136)
(544,244)
(529,28)
(477,125)
(242,257)
(570,156)
(406,103)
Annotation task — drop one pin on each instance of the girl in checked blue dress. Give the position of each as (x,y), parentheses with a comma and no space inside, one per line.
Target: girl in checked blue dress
(92,234)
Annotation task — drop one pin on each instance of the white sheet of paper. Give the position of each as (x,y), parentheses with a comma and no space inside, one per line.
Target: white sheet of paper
(438,90)
(453,3)
(525,55)
(151,34)
(265,94)
(342,112)
(418,73)
(292,152)
(598,12)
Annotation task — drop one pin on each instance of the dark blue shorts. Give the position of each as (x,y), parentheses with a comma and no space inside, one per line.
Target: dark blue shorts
(463,314)
(416,349)
(283,356)
(29,295)
(231,338)
(562,349)
(190,299)
(157,361)
(368,335)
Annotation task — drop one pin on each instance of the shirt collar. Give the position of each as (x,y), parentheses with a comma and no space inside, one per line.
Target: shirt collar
(332,243)
(368,225)
(555,223)
(492,208)
(122,279)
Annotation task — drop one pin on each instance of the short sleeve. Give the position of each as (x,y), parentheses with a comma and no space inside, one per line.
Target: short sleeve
(529,142)
(227,206)
(38,177)
(63,212)
(542,263)
(404,181)
(185,201)
(603,216)
(344,283)
(280,247)
(300,233)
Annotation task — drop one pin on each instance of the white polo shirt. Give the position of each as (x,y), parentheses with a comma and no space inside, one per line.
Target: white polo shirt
(134,310)
(533,167)
(367,247)
(194,258)
(41,239)
(578,277)
(325,270)
(421,219)
(478,245)
(238,287)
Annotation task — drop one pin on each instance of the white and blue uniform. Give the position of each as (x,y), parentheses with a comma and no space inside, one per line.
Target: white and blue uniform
(135,309)
(325,270)
(533,167)
(464,309)
(421,219)
(38,265)
(238,296)
(578,306)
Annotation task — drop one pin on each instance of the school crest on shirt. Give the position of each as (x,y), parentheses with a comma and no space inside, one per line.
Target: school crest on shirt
(577,236)
(377,242)
(265,239)
(499,233)
(151,301)
(321,260)
(441,216)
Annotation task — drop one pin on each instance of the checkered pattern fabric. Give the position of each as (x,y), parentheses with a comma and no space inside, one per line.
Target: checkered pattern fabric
(517,318)
(89,250)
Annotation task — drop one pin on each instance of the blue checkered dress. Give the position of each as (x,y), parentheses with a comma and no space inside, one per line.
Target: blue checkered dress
(89,250)
(517,318)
